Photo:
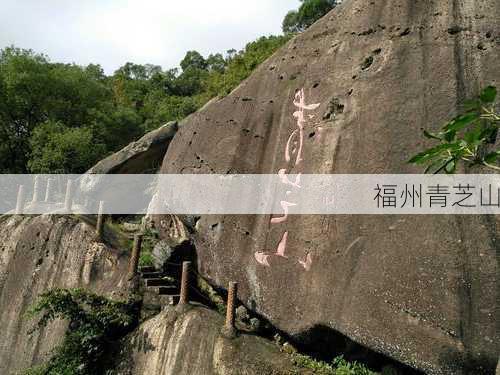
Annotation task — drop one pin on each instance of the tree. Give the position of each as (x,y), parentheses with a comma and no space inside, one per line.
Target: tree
(309,12)
(240,65)
(34,91)
(59,149)
(25,79)
(193,59)
(190,82)
(63,117)
(291,22)
(168,109)
(116,127)
(216,63)
(468,139)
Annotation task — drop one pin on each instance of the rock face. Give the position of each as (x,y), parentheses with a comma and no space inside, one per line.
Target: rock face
(37,254)
(141,156)
(190,343)
(422,289)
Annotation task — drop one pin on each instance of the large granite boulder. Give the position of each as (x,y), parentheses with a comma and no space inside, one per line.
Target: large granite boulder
(421,289)
(39,253)
(191,343)
(140,156)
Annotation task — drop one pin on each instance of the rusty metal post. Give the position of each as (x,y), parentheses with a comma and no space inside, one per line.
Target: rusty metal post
(20,200)
(134,258)
(49,192)
(68,200)
(100,220)
(36,190)
(231,306)
(184,298)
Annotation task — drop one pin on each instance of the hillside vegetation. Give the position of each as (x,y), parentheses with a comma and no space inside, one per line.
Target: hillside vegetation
(63,118)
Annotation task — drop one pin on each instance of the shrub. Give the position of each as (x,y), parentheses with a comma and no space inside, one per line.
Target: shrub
(95,325)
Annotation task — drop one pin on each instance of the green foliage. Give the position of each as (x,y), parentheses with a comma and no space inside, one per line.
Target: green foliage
(239,65)
(150,238)
(339,366)
(56,148)
(344,367)
(216,63)
(62,118)
(35,92)
(95,325)
(146,259)
(115,128)
(193,60)
(309,12)
(291,23)
(467,139)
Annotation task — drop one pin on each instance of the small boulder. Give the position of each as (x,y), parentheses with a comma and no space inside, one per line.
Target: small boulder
(161,253)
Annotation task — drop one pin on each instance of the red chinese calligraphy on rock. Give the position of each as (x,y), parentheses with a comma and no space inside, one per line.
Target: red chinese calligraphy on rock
(294,147)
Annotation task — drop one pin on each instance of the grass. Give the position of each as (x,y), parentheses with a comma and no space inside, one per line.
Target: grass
(339,366)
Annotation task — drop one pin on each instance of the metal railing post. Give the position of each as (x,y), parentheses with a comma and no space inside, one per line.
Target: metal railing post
(136,254)
(184,298)
(231,306)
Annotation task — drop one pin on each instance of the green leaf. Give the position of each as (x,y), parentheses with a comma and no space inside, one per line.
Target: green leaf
(450,136)
(430,135)
(492,157)
(461,122)
(490,134)
(433,152)
(473,136)
(433,165)
(451,167)
(489,94)
(443,165)
(420,158)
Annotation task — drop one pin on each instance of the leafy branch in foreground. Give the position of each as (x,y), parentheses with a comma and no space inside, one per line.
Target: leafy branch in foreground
(95,325)
(468,138)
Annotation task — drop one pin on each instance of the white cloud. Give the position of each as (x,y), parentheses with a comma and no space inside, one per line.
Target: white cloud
(112,32)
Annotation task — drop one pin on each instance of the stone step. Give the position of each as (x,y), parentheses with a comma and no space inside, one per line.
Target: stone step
(159,282)
(168,291)
(147,269)
(152,275)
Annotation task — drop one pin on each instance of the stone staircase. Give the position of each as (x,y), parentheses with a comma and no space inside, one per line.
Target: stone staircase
(160,282)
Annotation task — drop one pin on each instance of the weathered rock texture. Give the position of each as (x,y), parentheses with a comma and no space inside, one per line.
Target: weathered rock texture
(37,254)
(141,156)
(422,289)
(191,343)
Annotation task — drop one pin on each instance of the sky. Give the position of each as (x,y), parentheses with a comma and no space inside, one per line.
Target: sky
(113,32)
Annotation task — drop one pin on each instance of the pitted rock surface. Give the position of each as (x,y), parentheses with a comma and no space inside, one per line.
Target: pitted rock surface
(421,289)
(191,343)
(141,156)
(39,253)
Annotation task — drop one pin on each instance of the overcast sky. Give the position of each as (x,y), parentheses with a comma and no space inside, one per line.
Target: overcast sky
(112,32)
